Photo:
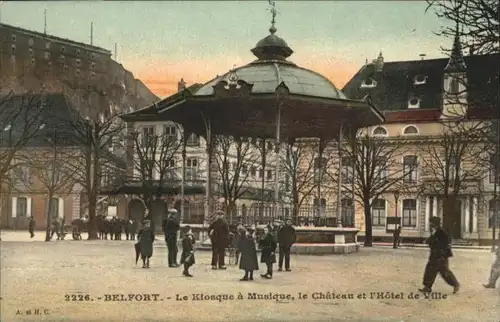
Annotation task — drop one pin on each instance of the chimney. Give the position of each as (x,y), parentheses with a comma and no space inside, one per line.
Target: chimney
(379,63)
(422,56)
(181,85)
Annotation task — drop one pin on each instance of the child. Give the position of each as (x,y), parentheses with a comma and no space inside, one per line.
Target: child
(495,271)
(248,261)
(146,237)
(268,245)
(187,256)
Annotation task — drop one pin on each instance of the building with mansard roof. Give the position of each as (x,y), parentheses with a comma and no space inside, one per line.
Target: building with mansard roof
(422,101)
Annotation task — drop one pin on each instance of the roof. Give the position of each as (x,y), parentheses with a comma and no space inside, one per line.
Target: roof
(395,83)
(57,39)
(35,119)
(266,76)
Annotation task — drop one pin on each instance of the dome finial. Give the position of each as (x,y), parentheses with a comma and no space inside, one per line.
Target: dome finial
(273,29)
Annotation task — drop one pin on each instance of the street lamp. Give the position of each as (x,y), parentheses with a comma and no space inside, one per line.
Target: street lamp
(396,198)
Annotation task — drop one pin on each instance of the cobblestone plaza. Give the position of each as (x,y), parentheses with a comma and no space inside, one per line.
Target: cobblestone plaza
(98,281)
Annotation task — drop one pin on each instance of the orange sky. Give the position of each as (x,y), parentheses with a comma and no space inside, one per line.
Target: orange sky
(162,77)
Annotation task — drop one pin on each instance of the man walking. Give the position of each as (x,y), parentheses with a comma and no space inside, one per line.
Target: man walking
(219,236)
(495,271)
(440,252)
(170,229)
(396,238)
(31,227)
(286,238)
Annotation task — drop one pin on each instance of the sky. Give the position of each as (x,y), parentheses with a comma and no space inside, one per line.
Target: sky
(161,42)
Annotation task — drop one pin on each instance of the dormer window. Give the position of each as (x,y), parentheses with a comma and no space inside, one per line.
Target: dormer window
(420,80)
(410,130)
(368,83)
(414,102)
(380,131)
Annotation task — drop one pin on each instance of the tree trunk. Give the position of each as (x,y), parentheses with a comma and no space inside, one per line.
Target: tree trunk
(232,210)
(92,207)
(449,213)
(49,218)
(368,224)
(295,213)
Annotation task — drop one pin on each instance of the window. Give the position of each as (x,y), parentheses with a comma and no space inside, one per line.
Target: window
(347,170)
(92,55)
(62,59)
(171,163)
(78,62)
(244,169)
(347,213)
(378,212)
(22,206)
(33,61)
(414,102)
(147,135)
(368,83)
(54,208)
(261,173)
(453,167)
(13,47)
(30,50)
(46,55)
(92,65)
(170,132)
(30,42)
(78,52)
(410,130)
(66,68)
(22,174)
(92,75)
(14,37)
(493,165)
(77,72)
(409,213)
(47,45)
(454,86)
(380,131)
(270,146)
(253,141)
(410,169)
(193,140)
(420,80)
(491,218)
(253,171)
(63,49)
(191,168)
(319,168)
(269,175)
(380,168)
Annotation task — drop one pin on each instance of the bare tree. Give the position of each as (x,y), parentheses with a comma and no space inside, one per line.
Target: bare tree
(235,160)
(20,120)
(452,166)
(298,168)
(263,148)
(376,170)
(49,167)
(154,161)
(478,22)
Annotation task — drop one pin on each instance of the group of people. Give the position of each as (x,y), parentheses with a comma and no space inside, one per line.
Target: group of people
(245,241)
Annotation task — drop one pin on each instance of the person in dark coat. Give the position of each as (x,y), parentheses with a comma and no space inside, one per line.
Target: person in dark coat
(495,271)
(219,236)
(286,238)
(396,238)
(268,246)
(240,233)
(440,251)
(187,256)
(31,227)
(146,238)
(248,260)
(170,228)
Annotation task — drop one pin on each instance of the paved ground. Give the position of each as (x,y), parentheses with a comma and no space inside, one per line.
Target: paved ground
(38,275)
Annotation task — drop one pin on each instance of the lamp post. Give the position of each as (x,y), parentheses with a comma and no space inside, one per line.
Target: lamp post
(396,199)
